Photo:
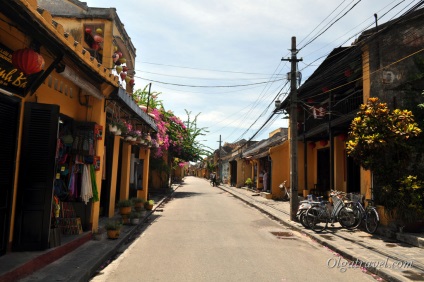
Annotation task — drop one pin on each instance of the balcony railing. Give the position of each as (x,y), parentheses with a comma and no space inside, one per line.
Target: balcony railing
(341,107)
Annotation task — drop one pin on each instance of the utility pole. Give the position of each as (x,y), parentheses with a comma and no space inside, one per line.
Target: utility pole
(294,200)
(219,159)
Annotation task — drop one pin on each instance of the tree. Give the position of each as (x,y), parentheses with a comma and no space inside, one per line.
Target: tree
(380,141)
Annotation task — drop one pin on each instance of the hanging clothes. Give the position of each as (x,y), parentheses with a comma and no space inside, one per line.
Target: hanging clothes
(94,184)
(72,186)
(86,186)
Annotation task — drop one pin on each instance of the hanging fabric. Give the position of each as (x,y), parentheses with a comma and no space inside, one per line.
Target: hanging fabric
(86,187)
(94,184)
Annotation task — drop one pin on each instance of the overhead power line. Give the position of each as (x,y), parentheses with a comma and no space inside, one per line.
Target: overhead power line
(209,86)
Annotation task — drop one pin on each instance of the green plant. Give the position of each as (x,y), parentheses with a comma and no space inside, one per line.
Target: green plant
(137,200)
(405,201)
(381,140)
(249,182)
(125,203)
(113,225)
(135,215)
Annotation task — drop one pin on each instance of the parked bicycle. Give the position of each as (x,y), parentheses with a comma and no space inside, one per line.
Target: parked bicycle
(304,205)
(285,190)
(368,216)
(320,213)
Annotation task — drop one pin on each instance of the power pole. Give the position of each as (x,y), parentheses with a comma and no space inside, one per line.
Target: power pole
(294,200)
(219,159)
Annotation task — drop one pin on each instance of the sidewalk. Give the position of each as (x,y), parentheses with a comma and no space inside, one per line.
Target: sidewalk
(354,246)
(78,258)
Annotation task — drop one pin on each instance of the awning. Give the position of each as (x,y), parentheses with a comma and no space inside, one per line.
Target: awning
(122,98)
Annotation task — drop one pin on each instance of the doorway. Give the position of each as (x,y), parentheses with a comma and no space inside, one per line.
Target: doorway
(353,176)
(323,171)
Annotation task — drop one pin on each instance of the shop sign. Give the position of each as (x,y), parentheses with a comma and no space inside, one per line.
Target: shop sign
(11,79)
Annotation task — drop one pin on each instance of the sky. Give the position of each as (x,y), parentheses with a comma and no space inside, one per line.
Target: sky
(221,60)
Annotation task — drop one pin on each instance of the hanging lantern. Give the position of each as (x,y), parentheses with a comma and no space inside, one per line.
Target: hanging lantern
(122,60)
(127,79)
(123,75)
(98,38)
(312,145)
(27,61)
(115,57)
(323,143)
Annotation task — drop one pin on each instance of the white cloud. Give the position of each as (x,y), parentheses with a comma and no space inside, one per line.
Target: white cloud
(232,35)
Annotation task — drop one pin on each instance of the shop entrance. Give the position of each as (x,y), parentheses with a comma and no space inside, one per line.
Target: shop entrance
(9,115)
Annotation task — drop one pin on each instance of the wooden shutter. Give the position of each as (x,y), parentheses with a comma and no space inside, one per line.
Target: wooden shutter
(36,177)
(9,113)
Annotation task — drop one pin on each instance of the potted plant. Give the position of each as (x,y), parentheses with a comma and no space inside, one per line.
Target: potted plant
(148,205)
(138,203)
(124,207)
(113,229)
(249,182)
(135,218)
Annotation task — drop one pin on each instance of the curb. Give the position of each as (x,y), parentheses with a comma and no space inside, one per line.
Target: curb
(383,274)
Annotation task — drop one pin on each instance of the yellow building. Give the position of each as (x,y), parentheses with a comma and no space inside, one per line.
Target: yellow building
(58,94)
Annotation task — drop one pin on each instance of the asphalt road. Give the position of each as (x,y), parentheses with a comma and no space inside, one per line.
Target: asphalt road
(205,234)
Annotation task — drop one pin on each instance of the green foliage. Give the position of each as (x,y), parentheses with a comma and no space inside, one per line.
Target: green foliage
(134,214)
(248,182)
(405,201)
(137,200)
(381,140)
(113,225)
(125,203)
(378,136)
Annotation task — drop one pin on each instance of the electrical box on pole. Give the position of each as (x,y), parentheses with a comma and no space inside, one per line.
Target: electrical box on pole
(294,200)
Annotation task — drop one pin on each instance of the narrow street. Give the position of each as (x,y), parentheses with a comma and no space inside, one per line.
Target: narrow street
(205,234)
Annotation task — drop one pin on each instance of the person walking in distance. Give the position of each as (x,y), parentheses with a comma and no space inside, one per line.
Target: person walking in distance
(265,180)
(214,179)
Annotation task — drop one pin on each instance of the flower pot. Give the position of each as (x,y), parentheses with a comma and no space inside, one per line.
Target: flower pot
(113,234)
(113,128)
(148,206)
(124,210)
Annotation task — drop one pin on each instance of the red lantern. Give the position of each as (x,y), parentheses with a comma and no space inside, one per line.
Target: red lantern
(27,61)
(323,143)
(123,75)
(312,145)
(98,38)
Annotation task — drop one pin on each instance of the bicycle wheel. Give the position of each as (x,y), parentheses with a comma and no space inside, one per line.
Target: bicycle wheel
(371,220)
(348,218)
(317,218)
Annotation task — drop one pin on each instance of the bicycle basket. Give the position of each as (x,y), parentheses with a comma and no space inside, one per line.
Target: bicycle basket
(355,197)
(336,200)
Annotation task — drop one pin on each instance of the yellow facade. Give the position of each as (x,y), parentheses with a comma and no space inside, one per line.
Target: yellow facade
(79,90)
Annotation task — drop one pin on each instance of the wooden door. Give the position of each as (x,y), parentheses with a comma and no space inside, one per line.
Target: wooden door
(36,177)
